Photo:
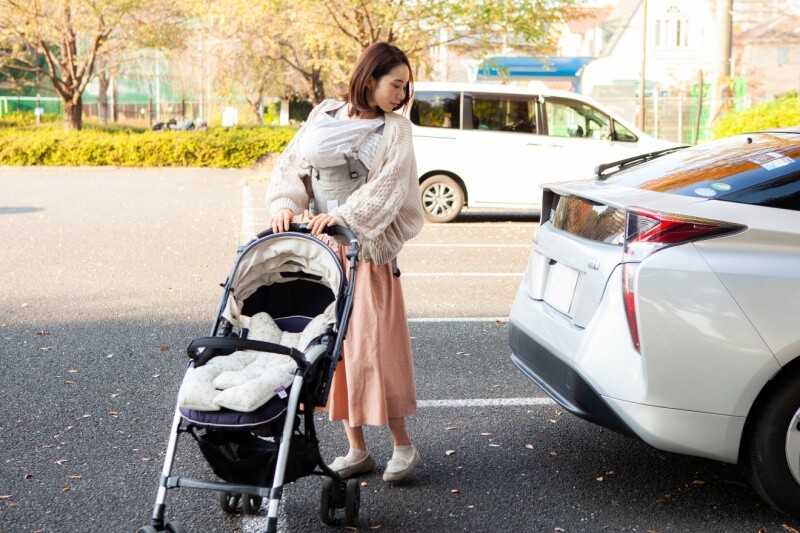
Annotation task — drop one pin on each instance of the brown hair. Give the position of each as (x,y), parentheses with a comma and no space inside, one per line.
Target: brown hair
(375,62)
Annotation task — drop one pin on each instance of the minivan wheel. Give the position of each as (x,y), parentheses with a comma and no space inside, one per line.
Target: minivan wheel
(442,198)
(772,449)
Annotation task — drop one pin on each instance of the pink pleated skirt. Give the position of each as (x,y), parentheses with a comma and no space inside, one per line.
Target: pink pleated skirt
(375,379)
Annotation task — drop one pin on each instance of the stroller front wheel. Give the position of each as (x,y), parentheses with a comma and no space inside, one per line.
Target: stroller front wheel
(251,504)
(229,501)
(352,502)
(175,527)
(327,503)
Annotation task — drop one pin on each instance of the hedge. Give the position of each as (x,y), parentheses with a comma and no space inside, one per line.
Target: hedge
(217,147)
(781,112)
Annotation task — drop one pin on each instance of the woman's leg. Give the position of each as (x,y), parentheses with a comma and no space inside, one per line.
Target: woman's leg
(404,457)
(399,435)
(355,436)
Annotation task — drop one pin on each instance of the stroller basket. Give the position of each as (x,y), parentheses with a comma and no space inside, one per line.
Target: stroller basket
(243,458)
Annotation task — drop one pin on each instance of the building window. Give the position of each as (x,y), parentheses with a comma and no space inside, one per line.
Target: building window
(672,29)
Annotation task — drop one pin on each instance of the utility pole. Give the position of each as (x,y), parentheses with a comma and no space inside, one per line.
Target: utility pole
(725,49)
(642,77)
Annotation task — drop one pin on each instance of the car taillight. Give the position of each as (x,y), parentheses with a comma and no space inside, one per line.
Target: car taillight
(648,231)
(629,271)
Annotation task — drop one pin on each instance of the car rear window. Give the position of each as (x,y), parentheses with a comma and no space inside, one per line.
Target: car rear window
(587,219)
(757,169)
(436,109)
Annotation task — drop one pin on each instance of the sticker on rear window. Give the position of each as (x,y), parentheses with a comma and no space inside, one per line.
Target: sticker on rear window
(705,191)
(771,160)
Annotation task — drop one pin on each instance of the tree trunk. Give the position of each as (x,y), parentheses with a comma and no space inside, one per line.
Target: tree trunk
(102,99)
(73,114)
(317,89)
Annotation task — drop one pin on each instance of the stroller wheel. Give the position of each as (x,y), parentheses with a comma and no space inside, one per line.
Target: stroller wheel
(251,504)
(352,502)
(327,505)
(175,527)
(229,502)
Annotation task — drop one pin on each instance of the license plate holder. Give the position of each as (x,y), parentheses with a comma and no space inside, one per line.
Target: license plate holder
(560,289)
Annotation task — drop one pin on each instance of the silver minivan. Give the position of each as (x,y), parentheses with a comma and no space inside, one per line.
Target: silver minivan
(493,146)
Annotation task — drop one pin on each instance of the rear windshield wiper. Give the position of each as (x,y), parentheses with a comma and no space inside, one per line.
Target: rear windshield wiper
(635,160)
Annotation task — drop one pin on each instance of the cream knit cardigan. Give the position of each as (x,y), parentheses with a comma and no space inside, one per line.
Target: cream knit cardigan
(385,212)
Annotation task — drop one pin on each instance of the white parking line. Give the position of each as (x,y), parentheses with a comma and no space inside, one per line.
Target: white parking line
(462,274)
(440,245)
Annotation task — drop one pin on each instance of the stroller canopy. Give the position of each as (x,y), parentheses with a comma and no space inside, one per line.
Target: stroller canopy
(281,258)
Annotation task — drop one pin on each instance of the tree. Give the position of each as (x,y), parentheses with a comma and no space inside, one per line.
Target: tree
(72,36)
(319,40)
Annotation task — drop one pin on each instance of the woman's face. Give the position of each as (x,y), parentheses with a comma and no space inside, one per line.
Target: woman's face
(389,91)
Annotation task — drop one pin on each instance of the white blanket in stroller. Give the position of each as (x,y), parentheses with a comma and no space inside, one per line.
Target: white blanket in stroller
(245,380)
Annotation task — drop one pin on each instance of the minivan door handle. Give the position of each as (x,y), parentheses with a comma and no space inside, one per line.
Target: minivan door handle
(548,145)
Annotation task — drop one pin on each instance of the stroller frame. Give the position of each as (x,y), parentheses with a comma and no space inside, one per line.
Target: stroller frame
(337,493)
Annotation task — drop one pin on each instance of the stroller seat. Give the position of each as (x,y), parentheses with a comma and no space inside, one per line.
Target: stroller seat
(244,381)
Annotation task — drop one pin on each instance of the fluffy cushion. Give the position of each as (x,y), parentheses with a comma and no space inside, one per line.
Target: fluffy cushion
(246,380)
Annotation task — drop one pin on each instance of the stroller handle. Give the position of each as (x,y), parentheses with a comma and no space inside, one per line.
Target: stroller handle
(337,229)
(194,352)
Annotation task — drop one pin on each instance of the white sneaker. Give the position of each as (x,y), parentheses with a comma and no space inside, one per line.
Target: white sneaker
(348,469)
(398,469)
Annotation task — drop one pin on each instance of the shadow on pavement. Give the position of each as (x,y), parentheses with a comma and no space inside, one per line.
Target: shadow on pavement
(497,216)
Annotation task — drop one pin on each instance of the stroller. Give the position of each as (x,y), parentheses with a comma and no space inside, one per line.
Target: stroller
(272,350)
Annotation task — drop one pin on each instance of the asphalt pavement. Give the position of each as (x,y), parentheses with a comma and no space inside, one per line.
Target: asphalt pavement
(107,274)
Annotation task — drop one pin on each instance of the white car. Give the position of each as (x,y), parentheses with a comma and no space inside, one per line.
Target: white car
(493,146)
(662,300)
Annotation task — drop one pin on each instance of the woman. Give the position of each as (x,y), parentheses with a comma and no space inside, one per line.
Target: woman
(352,163)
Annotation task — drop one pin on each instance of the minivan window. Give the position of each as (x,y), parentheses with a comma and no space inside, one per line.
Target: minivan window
(569,118)
(504,112)
(436,109)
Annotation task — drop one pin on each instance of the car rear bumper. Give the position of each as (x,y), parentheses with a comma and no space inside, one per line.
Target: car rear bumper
(560,381)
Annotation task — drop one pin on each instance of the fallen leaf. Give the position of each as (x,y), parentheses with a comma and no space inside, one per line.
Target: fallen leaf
(113,413)
(61,461)
(558,530)
(485,434)
(493,445)
(65,489)
(449,452)
(529,446)
(455,491)
(375,527)
(46,348)
(552,421)
(74,477)
(698,482)
(662,500)
(72,371)
(109,356)
(68,382)
(789,528)
(450,428)
(599,478)
(155,375)
(554,453)
(42,332)
(114,395)
(87,415)
(5,496)
(164,348)
(145,459)
(364,483)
